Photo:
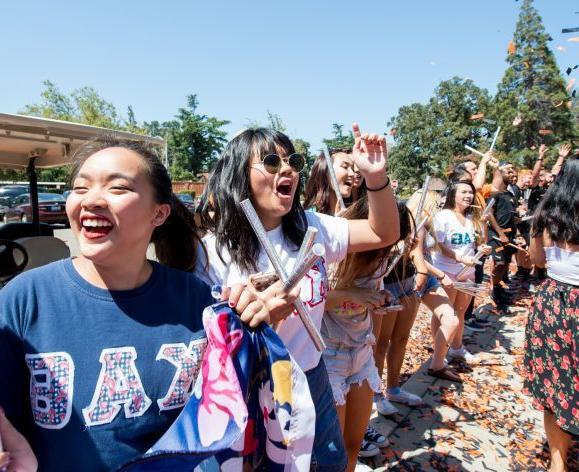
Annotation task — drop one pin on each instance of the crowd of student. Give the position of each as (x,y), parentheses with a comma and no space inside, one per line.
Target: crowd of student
(66,328)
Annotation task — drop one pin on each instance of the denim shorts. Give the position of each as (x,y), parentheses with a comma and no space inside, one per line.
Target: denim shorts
(329,452)
(432,283)
(350,365)
(400,289)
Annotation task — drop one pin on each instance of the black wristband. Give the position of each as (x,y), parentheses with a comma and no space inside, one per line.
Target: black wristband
(440,278)
(422,273)
(380,188)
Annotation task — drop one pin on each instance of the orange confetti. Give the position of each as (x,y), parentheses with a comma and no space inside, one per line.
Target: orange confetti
(512,48)
(570,84)
(477,116)
(545,131)
(573,40)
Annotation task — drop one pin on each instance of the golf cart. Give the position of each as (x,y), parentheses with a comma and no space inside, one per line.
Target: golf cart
(32,143)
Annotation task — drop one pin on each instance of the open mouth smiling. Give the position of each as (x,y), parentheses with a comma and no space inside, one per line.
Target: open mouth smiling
(93,227)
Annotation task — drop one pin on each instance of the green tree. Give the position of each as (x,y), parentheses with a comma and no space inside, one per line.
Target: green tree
(532,91)
(339,138)
(193,140)
(84,105)
(428,137)
(275,122)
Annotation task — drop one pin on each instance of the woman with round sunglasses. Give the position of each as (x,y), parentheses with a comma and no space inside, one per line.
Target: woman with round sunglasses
(234,251)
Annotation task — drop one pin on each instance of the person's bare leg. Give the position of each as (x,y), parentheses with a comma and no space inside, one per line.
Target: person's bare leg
(383,340)
(376,325)
(341,410)
(442,316)
(399,339)
(461,303)
(559,442)
(358,410)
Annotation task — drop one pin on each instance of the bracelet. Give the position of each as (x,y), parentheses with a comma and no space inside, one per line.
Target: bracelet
(422,273)
(440,278)
(380,188)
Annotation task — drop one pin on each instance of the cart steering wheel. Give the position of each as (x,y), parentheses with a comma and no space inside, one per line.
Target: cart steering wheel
(9,267)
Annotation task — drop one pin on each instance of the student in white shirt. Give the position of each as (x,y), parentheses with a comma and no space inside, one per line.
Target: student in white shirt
(454,227)
(261,164)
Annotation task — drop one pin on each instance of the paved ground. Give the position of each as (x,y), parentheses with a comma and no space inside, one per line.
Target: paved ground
(487,424)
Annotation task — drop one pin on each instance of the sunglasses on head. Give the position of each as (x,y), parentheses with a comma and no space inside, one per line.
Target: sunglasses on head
(273,163)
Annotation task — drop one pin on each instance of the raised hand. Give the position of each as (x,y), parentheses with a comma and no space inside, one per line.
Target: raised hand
(370,155)
(564,150)
(490,159)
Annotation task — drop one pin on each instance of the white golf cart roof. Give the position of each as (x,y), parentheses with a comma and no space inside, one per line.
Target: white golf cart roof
(51,142)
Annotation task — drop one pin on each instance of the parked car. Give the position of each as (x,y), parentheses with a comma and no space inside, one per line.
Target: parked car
(12,191)
(51,209)
(188,201)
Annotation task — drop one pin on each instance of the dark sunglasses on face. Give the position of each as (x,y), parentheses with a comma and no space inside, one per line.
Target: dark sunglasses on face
(273,163)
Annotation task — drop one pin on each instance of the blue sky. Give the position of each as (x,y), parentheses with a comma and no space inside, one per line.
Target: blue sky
(312,62)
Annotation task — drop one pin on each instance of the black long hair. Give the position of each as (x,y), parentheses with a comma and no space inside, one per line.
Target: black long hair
(176,240)
(229,185)
(450,192)
(558,212)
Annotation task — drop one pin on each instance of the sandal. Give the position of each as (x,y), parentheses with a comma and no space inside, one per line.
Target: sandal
(446,373)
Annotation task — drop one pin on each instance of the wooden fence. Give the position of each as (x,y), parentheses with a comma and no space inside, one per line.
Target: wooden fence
(188,186)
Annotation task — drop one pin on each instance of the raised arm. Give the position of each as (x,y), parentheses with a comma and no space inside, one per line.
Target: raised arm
(564,151)
(481,173)
(382,228)
(538,166)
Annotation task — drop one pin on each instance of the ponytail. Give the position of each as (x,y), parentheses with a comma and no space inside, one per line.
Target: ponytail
(176,240)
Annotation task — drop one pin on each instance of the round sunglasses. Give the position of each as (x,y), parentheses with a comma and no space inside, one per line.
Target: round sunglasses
(273,162)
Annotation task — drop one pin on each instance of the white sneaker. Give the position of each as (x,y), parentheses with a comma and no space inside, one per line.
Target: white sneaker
(363,468)
(368,449)
(373,436)
(463,355)
(405,397)
(384,407)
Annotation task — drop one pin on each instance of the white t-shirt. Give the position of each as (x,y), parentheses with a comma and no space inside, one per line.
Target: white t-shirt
(333,234)
(459,238)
